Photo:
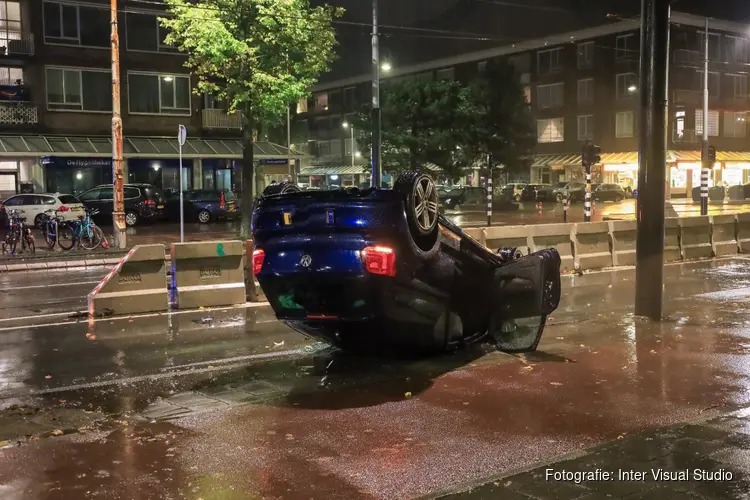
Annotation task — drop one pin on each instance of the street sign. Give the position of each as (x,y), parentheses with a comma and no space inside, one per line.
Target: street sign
(181,135)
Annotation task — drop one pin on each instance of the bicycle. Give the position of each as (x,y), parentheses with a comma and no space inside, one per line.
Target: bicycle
(82,232)
(18,230)
(50,224)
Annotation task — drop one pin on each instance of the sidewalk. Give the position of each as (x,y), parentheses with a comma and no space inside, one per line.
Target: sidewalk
(707,459)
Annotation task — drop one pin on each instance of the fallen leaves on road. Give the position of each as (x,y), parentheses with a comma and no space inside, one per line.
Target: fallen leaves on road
(528,368)
(555,383)
(407,395)
(278,344)
(48,377)
(652,351)
(560,338)
(57,432)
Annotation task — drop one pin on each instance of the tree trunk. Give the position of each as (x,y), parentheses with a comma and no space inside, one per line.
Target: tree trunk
(248,175)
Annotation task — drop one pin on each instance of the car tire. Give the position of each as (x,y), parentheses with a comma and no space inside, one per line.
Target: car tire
(38,221)
(419,190)
(559,197)
(619,199)
(517,197)
(131,219)
(204,216)
(282,188)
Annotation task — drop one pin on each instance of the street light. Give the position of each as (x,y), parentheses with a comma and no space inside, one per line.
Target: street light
(351,128)
(358,154)
(632,88)
(386,67)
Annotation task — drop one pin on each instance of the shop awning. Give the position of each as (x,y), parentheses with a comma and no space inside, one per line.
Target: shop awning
(626,158)
(556,160)
(134,147)
(721,156)
(341,170)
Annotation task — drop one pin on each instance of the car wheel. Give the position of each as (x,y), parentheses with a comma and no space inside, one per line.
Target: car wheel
(38,221)
(619,199)
(559,197)
(282,188)
(204,216)
(131,218)
(517,197)
(421,206)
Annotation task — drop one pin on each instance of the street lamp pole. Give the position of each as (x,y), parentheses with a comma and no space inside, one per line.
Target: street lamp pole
(376,113)
(351,127)
(705,164)
(118,180)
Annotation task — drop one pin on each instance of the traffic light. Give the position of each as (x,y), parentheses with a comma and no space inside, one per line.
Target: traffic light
(711,155)
(591,154)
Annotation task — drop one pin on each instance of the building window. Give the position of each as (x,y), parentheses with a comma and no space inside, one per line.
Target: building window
(72,24)
(163,94)
(324,148)
(350,98)
(739,84)
(10,22)
(714,83)
(446,74)
(734,124)
(624,124)
(713,123)
(145,33)
(586,91)
(585,55)
(79,89)
(10,76)
(550,96)
(625,46)
(321,102)
(549,61)
(585,127)
(527,94)
(302,106)
(714,45)
(521,62)
(626,85)
(551,130)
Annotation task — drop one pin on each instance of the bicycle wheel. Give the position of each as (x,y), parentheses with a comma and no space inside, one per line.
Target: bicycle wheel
(27,243)
(66,236)
(91,237)
(50,233)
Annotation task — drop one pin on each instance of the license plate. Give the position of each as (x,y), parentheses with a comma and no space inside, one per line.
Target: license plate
(160,207)
(76,209)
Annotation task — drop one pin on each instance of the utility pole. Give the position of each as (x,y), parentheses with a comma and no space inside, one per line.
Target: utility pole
(118,214)
(352,131)
(652,174)
(292,168)
(589,157)
(377,173)
(705,167)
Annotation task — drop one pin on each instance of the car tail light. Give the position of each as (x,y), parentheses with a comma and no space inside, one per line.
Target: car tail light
(380,260)
(63,208)
(150,203)
(222,200)
(258,256)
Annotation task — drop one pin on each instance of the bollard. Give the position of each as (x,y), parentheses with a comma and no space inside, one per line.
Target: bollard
(593,207)
(566,203)
(539,209)
(208,274)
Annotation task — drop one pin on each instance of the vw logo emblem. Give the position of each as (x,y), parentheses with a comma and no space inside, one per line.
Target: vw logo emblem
(305,261)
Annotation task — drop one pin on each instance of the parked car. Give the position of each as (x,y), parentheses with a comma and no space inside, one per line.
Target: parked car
(463,196)
(513,191)
(609,192)
(530,191)
(549,193)
(143,202)
(34,205)
(380,269)
(202,205)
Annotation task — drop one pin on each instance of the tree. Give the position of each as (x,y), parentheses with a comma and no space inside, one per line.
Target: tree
(501,129)
(256,55)
(419,125)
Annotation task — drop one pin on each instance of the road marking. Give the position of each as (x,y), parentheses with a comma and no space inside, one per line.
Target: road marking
(246,305)
(188,371)
(52,285)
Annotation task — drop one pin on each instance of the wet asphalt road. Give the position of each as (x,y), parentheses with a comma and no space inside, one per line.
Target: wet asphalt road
(229,404)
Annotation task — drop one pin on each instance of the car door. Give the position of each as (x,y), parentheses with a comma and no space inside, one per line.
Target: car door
(105,202)
(90,198)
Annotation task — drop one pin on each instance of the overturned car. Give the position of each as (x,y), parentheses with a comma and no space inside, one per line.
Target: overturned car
(381,268)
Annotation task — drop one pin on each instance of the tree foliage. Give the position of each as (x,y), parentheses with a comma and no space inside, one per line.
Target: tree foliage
(455,125)
(258,56)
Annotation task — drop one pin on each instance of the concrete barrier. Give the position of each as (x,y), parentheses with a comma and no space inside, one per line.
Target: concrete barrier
(591,245)
(623,234)
(743,232)
(557,236)
(724,234)
(695,237)
(137,284)
(208,274)
(508,237)
(672,251)
(478,233)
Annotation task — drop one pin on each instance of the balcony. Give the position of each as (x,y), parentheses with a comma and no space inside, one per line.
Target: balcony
(685,137)
(688,57)
(218,119)
(18,113)
(17,44)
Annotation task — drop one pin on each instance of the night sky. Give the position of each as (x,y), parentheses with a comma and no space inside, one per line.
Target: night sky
(503,21)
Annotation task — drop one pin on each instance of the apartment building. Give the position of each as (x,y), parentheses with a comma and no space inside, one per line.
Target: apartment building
(56,104)
(582,85)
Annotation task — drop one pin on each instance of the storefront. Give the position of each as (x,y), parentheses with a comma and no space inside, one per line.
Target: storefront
(75,164)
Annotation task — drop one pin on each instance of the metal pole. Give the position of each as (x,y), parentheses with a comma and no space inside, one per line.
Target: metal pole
(352,130)
(705,167)
(292,169)
(489,190)
(587,195)
(649,270)
(182,208)
(377,179)
(118,181)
